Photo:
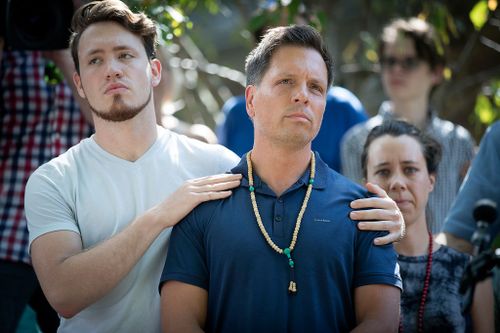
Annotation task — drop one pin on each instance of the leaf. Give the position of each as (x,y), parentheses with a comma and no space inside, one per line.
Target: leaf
(484,110)
(479,14)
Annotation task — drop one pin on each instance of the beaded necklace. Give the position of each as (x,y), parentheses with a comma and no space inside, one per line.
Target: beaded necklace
(292,286)
(425,291)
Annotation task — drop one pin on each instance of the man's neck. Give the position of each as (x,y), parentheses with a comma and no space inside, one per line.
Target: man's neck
(280,168)
(129,139)
(414,111)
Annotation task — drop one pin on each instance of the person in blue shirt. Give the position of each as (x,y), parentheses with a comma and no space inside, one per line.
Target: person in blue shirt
(343,110)
(482,182)
(281,253)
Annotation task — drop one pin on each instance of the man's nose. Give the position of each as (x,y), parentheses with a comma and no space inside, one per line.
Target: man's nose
(113,69)
(301,94)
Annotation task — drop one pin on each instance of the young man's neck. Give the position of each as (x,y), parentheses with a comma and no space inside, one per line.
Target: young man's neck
(278,167)
(414,111)
(129,139)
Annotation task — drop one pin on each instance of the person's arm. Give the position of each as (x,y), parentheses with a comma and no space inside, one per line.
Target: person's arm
(455,242)
(379,213)
(482,311)
(377,308)
(73,278)
(183,307)
(62,59)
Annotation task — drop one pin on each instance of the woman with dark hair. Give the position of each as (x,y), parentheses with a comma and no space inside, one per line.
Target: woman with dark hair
(403,161)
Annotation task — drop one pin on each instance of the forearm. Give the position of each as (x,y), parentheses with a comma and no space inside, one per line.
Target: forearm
(454,242)
(73,281)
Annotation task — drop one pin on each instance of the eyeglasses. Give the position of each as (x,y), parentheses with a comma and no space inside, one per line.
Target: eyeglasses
(407,63)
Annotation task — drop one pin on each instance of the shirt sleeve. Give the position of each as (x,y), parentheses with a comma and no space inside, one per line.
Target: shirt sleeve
(186,257)
(46,206)
(481,182)
(375,264)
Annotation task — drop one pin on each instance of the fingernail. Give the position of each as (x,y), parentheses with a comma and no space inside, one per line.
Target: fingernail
(361,225)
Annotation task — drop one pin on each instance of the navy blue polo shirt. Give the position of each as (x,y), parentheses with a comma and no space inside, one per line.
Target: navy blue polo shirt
(220,248)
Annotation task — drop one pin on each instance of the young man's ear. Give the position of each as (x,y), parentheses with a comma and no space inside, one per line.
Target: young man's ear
(78,84)
(249,100)
(155,72)
(437,75)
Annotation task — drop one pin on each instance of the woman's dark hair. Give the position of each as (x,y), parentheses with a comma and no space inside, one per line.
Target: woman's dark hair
(431,149)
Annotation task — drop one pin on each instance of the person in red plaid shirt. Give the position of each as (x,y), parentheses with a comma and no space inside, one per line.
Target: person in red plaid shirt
(39,121)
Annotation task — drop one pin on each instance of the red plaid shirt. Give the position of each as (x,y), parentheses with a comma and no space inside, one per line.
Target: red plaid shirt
(38,122)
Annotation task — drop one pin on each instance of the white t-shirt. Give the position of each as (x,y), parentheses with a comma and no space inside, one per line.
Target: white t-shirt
(95,194)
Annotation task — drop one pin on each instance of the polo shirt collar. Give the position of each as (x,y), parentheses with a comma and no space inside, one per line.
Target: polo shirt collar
(260,186)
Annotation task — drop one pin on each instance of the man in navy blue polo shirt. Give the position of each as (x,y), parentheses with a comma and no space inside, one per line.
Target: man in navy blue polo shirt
(281,253)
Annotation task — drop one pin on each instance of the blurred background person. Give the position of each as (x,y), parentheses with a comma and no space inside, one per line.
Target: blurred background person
(40,118)
(404,161)
(412,65)
(343,110)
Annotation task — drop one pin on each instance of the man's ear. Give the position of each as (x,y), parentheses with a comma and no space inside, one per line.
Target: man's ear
(437,75)
(78,84)
(155,72)
(250,91)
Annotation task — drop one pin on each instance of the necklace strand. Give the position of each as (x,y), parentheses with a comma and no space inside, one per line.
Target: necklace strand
(292,286)
(425,291)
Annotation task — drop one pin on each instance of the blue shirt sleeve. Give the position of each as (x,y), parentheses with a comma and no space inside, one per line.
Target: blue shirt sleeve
(371,258)
(186,258)
(482,182)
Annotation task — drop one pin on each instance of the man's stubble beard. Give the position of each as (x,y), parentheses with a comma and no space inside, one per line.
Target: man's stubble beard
(119,111)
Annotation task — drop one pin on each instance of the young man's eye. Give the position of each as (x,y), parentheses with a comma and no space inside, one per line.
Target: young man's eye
(94,61)
(286,81)
(126,56)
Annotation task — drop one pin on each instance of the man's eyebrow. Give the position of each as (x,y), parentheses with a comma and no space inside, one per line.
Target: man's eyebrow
(100,50)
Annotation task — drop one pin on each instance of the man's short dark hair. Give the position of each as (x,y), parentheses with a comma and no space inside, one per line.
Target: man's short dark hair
(112,11)
(257,62)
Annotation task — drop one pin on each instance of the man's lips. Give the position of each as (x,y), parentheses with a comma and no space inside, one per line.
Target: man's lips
(115,87)
(299,115)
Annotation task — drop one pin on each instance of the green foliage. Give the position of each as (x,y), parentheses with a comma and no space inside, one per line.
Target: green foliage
(172,16)
(487,108)
(479,14)
(53,74)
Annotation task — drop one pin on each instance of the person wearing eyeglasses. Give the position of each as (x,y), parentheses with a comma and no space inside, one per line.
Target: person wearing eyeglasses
(411,66)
